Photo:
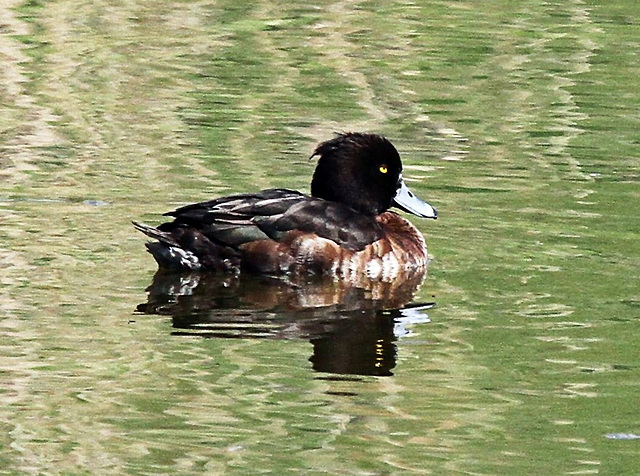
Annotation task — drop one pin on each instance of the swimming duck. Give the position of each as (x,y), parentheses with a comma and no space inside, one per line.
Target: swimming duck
(343,228)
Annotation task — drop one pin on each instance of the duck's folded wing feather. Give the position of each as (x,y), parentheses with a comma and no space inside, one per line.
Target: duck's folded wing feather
(273,214)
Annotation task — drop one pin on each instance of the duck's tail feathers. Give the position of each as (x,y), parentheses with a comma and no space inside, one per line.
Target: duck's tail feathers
(154,233)
(188,249)
(167,251)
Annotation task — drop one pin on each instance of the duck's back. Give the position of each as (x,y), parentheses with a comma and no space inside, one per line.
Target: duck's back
(274,231)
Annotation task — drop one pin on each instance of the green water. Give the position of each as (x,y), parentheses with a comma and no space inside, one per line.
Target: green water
(518,120)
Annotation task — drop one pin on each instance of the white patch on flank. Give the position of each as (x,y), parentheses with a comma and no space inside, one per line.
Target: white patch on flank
(374,269)
(334,268)
(353,266)
(186,258)
(390,267)
(306,250)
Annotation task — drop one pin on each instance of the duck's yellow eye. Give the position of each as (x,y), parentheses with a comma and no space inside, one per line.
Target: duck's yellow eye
(383,169)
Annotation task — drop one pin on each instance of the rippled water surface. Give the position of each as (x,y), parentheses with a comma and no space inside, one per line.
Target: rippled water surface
(518,120)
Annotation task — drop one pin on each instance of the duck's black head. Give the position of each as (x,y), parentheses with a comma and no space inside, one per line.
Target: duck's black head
(364,171)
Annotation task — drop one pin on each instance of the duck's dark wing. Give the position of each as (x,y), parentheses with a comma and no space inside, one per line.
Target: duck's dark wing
(272,214)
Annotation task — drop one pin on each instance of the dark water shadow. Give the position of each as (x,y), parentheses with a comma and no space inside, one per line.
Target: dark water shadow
(353,328)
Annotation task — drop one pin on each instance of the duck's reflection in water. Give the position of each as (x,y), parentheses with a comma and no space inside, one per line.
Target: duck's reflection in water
(353,328)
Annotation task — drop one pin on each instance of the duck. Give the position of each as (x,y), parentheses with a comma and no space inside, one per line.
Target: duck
(343,228)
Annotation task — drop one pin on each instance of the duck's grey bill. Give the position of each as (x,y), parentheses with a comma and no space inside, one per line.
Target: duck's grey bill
(407,201)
